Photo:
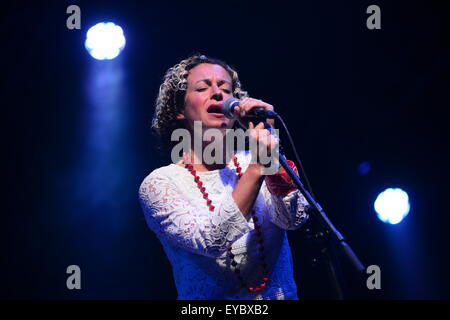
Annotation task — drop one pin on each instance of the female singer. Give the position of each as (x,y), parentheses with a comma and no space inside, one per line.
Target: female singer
(222,225)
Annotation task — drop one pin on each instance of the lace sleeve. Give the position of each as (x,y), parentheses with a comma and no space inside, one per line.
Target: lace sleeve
(183,224)
(287,212)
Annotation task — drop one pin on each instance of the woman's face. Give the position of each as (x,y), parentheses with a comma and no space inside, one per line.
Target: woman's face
(208,85)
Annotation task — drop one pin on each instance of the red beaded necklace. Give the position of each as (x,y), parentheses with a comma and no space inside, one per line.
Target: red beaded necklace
(230,254)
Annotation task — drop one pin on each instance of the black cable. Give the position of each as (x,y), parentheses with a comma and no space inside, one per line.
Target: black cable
(302,169)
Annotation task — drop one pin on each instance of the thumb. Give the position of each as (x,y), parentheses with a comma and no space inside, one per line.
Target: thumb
(237,111)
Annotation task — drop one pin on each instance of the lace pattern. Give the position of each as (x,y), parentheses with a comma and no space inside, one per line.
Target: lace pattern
(191,226)
(196,239)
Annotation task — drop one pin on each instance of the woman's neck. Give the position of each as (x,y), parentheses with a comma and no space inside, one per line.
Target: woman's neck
(197,159)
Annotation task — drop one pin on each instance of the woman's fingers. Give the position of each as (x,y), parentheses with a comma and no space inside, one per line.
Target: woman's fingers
(248,104)
(260,125)
(262,135)
(260,128)
(245,107)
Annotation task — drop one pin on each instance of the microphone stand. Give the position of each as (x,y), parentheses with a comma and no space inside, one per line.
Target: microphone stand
(329,232)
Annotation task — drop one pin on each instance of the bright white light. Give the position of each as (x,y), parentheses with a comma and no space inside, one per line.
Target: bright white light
(392,205)
(105,41)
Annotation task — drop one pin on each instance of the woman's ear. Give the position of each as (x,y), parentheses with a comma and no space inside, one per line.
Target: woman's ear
(180,116)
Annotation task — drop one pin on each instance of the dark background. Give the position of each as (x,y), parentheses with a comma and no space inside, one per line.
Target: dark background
(78,143)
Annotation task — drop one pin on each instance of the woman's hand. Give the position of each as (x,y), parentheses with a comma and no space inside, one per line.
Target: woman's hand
(281,184)
(263,144)
(250,183)
(247,104)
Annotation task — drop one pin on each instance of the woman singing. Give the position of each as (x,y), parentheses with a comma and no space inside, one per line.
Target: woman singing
(222,225)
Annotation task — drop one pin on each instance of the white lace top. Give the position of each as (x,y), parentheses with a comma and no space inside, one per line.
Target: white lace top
(196,239)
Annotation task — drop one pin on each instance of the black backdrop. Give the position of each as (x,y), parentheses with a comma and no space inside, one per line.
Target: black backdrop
(348,95)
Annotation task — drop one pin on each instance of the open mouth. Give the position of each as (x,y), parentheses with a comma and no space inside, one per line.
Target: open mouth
(215,108)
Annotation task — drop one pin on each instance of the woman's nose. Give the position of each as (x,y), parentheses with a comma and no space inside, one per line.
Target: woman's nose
(216,93)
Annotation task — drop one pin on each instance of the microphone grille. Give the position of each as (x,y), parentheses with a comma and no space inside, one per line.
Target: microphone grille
(228,107)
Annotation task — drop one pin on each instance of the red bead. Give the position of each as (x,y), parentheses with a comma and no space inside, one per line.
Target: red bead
(257,227)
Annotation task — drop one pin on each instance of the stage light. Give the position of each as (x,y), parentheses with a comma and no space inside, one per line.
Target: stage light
(105,41)
(364,168)
(392,205)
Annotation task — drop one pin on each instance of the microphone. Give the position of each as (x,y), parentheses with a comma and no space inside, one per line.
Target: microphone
(228,110)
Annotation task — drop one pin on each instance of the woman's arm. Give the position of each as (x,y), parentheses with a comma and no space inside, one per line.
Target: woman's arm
(179,222)
(287,207)
(249,185)
(247,189)
(288,212)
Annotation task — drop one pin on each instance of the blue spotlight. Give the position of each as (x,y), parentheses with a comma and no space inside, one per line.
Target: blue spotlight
(364,168)
(105,41)
(392,205)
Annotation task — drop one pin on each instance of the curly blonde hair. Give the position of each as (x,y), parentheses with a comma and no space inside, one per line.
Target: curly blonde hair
(172,92)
